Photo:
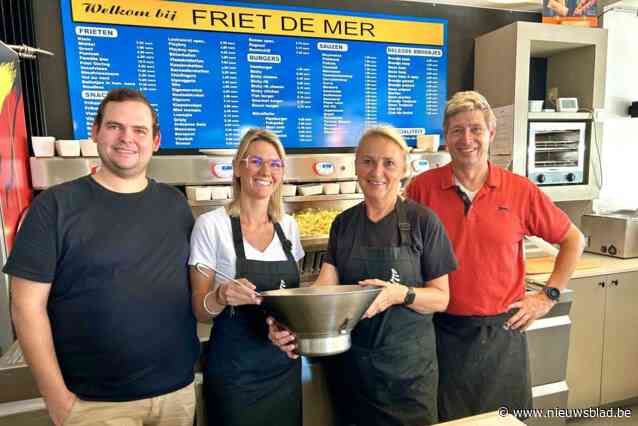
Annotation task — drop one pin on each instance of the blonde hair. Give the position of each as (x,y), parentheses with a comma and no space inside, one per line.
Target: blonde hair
(469,101)
(387,132)
(275,204)
(392,134)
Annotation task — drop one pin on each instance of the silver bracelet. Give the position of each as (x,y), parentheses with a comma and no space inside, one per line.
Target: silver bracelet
(212,313)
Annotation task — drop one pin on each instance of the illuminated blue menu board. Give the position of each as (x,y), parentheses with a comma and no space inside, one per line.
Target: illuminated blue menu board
(317,78)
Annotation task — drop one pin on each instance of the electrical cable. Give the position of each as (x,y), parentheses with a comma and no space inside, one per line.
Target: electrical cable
(599,176)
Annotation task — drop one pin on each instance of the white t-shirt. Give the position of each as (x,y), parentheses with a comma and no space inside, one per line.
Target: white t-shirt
(212,242)
(470,194)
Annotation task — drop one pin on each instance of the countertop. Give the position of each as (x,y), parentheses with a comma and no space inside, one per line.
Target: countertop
(487,419)
(608,265)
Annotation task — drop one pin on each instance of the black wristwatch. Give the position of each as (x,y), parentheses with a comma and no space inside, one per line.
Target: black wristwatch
(552,293)
(409,297)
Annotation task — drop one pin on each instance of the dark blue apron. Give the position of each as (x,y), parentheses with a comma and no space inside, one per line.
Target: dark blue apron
(389,376)
(481,365)
(248,381)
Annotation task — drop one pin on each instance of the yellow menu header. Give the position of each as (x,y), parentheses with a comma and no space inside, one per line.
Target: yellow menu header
(250,20)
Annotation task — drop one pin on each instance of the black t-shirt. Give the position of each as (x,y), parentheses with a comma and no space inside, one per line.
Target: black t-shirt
(437,258)
(119,304)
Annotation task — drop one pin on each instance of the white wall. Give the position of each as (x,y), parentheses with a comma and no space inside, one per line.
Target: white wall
(620,132)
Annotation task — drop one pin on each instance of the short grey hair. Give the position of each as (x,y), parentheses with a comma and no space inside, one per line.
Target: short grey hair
(469,101)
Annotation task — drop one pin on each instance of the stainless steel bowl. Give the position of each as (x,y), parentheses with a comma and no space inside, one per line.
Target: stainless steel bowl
(322,317)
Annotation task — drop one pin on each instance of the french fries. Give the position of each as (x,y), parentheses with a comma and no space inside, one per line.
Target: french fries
(315,222)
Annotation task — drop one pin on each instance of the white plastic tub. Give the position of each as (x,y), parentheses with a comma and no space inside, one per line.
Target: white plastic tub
(331,188)
(198,193)
(219,192)
(348,187)
(43,146)
(67,148)
(88,148)
(535,106)
(311,189)
(288,190)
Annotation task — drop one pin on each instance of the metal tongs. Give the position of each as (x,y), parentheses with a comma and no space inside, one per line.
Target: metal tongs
(201,268)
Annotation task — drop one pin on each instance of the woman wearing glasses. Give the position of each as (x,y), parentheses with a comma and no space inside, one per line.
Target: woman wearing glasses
(390,375)
(247,380)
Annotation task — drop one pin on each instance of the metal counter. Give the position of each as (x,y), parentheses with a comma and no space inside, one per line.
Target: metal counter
(182,170)
(548,346)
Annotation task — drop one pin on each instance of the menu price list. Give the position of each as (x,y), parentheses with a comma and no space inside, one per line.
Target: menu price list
(370,87)
(229,90)
(209,87)
(188,78)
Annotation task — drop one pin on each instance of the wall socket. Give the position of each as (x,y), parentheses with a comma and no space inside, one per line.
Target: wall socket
(552,95)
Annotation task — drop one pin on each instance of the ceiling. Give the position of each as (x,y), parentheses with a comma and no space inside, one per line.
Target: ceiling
(517,5)
(523,5)
(632,4)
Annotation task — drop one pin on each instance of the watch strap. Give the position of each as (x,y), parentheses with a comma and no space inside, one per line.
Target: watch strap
(409,297)
(552,293)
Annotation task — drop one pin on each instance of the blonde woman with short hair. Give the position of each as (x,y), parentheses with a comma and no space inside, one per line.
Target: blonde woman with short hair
(390,374)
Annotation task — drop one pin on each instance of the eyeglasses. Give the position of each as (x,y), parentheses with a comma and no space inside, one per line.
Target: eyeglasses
(369,163)
(254,162)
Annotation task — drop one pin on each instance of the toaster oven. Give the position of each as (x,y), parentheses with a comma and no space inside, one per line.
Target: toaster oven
(556,153)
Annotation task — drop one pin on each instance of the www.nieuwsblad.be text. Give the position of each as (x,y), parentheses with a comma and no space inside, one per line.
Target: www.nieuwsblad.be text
(576,413)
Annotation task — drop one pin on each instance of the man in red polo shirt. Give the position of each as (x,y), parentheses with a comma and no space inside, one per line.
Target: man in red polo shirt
(486,210)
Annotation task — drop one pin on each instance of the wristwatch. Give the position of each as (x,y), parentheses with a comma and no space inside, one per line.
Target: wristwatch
(409,297)
(552,293)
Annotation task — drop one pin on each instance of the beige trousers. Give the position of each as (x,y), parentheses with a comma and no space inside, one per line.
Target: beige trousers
(173,409)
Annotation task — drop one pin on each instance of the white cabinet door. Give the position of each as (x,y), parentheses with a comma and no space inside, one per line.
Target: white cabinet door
(619,370)
(584,361)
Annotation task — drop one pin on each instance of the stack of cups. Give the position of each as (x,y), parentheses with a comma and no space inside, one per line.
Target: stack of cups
(535,106)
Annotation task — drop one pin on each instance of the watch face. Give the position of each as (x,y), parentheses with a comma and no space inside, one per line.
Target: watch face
(552,292)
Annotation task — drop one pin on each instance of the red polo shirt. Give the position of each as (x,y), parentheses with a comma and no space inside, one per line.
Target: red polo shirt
(487,240)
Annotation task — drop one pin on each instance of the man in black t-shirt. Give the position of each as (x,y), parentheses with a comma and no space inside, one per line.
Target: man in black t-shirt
(99,284)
